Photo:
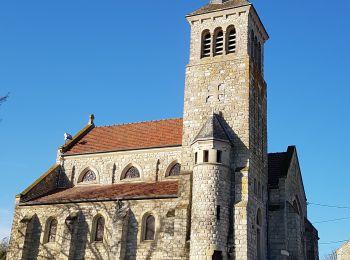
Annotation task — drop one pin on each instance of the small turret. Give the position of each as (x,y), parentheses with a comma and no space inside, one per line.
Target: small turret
(211,191)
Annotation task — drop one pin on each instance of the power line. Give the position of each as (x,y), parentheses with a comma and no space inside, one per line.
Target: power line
(331,220)
(328,206)
(334,242)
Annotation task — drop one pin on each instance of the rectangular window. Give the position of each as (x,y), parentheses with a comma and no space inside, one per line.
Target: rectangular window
(219,157)
(259,190)
(195,158)
(206,156)
(218,212)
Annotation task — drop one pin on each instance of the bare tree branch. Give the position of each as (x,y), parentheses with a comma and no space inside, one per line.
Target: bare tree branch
(3,248)
(331,256)
(3,99)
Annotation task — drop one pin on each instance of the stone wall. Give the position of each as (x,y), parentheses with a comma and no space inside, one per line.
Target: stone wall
(288,217)
(151,163)
(122,236)
(343,253)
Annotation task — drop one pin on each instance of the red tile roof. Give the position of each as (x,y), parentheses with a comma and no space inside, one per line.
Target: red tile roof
(165,189)
(129,136)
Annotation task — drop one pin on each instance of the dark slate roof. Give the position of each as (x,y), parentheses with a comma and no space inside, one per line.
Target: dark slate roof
(213,129)
(217,7)
(126,191)
(278,165)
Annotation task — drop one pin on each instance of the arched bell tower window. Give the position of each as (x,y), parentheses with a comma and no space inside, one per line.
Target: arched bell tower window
(219,42)
(89,176)
(206,44)
(174,170)
(51,231)
(259,56)
(256,51)
(231,40)
(252,45)
(149,228)
(131,173)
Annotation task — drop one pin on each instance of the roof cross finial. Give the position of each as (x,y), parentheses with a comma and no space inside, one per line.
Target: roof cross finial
(217,1)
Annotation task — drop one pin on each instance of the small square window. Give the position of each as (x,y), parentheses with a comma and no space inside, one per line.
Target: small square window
(219,156)
(206,156)
(218,212)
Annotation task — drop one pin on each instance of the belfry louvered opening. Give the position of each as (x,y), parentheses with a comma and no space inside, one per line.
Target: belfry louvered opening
(231,40)
(206,44)
(219,42)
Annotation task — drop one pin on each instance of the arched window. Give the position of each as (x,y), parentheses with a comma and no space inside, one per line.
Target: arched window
(175,170)
(88,176)
(131,173)
(231,40)
(99,229)
(149,229)
(51,231)
(206,44)
(297,206)
(219,42)
(258,218)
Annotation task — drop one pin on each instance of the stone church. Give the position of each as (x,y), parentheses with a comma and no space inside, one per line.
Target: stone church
(199,187)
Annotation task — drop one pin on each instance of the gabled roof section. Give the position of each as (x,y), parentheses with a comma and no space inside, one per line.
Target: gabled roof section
(67,146)
(213,129)
(278,165)
(143,135)
(45,183)
(125,191)
(218,7)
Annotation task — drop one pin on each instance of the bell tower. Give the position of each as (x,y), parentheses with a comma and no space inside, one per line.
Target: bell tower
(225,81)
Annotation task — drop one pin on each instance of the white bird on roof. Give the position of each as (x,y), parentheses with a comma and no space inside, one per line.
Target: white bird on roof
(67,137)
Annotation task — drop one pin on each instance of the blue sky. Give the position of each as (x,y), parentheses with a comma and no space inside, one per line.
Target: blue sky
(124,61)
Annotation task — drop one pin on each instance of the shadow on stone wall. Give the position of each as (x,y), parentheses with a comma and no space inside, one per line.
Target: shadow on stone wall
(131,239)
(241,154)
(32,239)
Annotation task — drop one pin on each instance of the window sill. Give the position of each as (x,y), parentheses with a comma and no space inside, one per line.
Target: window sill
(148,241)
(97,243)
(129,180)
(172,177)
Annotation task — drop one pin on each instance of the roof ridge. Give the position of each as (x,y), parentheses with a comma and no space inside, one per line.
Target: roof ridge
(140,122)
(277,153)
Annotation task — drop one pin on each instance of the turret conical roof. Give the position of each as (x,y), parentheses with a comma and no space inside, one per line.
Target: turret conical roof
(213,129)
